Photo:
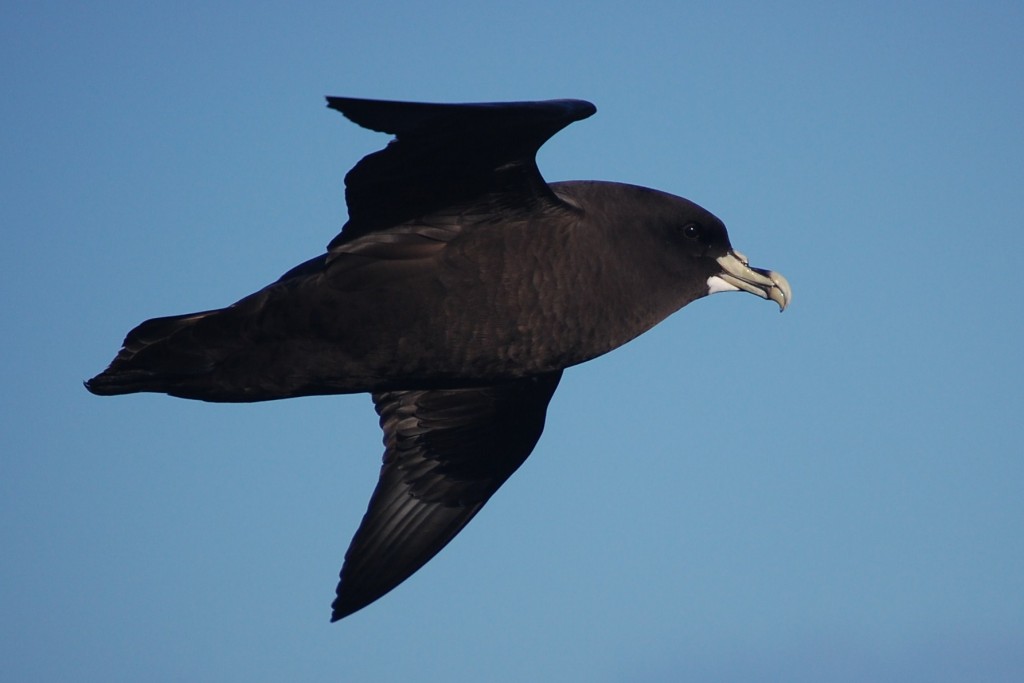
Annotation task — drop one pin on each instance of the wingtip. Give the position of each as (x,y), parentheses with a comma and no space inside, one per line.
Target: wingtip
(334,102)
(584,109)
(342,607)
(338,104)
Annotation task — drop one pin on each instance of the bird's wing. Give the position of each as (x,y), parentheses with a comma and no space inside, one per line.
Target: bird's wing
(446,452)
(475,159)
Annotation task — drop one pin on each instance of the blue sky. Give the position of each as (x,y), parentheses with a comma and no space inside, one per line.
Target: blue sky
(830,494)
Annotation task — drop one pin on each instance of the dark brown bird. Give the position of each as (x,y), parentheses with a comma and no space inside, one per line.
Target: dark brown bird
(458,291)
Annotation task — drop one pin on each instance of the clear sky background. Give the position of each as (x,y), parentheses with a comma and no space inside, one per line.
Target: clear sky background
(833,494)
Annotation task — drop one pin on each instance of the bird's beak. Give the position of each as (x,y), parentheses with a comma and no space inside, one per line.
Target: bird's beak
(737,275)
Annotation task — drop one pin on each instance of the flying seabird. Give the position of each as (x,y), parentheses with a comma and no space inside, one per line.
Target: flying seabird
(458,291)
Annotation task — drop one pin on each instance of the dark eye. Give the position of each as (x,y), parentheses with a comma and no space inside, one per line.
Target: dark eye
(692,231)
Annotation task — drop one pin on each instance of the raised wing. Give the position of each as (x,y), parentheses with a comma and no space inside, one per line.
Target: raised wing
(446,452)
(449,156)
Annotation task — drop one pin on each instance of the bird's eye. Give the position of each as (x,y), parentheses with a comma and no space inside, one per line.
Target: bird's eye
(692,231)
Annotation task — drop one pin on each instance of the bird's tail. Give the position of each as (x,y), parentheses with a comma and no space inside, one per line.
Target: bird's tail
(164,355)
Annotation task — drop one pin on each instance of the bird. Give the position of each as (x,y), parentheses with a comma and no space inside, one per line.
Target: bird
(458,291)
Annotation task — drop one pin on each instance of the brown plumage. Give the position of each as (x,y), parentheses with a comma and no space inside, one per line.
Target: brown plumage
(460,288)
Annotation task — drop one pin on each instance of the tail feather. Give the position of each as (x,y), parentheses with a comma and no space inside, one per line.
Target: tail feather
(161,354)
